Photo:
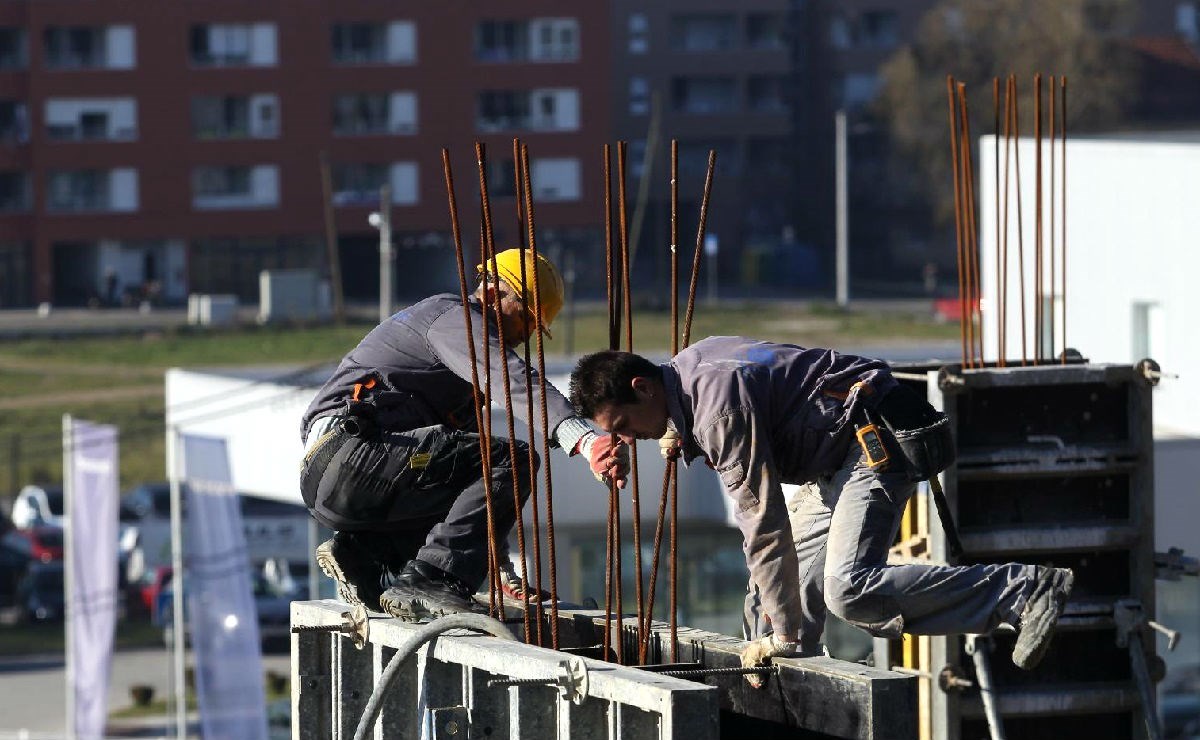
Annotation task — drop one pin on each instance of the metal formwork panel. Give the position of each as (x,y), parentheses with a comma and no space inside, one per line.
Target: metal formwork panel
(447,687)
(1055,467)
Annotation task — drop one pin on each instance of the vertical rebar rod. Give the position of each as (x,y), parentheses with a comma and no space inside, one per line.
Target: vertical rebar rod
(703,225)
(972,233)
(485,430)
(541,369)
(674,547)
(506,379)
(612,344)
(1053,283)
(958,214)
(996,188)
(523,243)
(635,498)
(1016,116)
(1063,90)
(1037,217)
(1004,261)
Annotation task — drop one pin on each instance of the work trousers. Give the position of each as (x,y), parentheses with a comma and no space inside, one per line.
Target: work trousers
(423,488)
(842,527)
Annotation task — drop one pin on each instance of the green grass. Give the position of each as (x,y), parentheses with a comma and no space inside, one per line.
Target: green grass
(32,639)
(41,379)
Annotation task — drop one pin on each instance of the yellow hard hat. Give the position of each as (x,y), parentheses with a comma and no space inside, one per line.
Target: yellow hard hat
(549,282)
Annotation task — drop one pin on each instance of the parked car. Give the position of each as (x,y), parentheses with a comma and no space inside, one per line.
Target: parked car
(15,557)
(40,595)
(38,505)
(45,542)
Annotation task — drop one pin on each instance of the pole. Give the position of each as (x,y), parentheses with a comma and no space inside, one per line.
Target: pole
(68,572)
(383,221)
(331,240)
(842,258)
(178,639)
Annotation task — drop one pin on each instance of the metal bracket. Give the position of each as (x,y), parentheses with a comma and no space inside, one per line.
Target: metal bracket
(450,723)
(355,623)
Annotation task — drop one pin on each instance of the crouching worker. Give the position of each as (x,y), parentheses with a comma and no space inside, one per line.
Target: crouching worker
(392,456)
(766,414)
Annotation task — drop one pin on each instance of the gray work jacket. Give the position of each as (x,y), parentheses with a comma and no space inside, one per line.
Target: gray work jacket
(420,361)
(764,414)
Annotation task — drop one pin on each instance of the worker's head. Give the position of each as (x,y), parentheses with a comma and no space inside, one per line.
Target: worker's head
(622,393)
(516,296)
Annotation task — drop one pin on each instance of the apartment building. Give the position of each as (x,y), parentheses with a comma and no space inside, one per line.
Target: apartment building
(152,150)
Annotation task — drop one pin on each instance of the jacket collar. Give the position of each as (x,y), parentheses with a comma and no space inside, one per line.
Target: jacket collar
(679,412)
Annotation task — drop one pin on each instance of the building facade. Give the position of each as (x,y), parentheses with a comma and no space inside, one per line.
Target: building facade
(150,151)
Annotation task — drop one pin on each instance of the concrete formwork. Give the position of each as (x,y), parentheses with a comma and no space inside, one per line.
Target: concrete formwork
(446,688)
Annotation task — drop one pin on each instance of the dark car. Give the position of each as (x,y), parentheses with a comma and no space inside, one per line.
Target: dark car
(15,556)
(45,542)
(40,596)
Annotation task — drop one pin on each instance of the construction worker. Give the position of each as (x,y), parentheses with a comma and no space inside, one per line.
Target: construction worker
(765,414)
(392,458)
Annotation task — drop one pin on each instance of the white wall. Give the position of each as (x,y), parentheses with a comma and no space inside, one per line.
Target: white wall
(1133,237)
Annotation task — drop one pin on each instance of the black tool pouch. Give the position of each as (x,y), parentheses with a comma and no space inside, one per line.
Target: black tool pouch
(926,451)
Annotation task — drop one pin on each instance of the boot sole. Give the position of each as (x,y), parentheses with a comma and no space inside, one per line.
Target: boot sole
(1044,628)
(412,609)
(346,591)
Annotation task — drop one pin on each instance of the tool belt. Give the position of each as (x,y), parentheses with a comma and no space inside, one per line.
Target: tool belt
(924,440)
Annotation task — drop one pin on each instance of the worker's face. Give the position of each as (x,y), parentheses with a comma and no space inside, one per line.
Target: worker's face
(518,322)
(646,418)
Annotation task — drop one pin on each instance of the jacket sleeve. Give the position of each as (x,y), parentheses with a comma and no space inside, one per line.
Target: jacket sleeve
(738,446)
(445,340)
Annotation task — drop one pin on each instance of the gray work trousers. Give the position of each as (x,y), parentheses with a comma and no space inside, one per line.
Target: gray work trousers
(421,484)
(843,526)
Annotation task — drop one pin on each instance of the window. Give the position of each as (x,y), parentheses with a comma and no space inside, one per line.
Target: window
(639,96)
(859,88)
(549,109)
(234,187)
(765,31)
(92,190)
(502,110)
(91,119)
(1187,24)
(366,114)
(374,43)
(14,192)
(639,33)
(233,45)
(703,95)
(766,94)
(693,156)
(74,47)
(702,33)
(501,41)
(14,122)
(14,48)
(537,40)
(555,179)
(235,116)
(501,179)
(554,39)
(878,29)
(358,183)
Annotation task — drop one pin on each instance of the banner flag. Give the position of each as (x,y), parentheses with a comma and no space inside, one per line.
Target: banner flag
(92,501)
(220,604)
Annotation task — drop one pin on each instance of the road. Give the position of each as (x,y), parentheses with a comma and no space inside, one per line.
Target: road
(33,687)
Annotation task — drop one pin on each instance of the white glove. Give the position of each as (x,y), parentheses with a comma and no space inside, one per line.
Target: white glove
(607,456)
(669,445)
(760,652)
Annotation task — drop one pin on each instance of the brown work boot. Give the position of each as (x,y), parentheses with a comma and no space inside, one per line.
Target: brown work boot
(356,573)
(1042,610)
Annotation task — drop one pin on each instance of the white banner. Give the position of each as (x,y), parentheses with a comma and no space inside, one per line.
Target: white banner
(220,602)
(91,503)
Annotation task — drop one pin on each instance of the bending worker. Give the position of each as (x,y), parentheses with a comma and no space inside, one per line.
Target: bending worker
(392,455)
(764,414)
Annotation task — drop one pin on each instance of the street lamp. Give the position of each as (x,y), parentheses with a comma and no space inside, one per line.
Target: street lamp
(382,220)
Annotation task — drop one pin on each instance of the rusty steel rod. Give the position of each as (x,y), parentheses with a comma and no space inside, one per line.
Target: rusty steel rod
(974,327)
(541,370)
(635,498)
(1053,284)
(1063,101)
(612,344)
(958,218)
(491,269)
(700,229)
(1037,217)
(644,634)
(485,431)
(475,390)
(674,547)
(1016,115)
(1008,96)
(996,188)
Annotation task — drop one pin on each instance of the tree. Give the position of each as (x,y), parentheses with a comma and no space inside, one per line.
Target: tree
(979,40)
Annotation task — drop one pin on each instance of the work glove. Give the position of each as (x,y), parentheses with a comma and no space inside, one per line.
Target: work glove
(607,456)
(669,445)
(760,652)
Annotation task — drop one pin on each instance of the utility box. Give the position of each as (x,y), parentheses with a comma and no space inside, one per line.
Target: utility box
(212,310)
(291,295)
(1055,467)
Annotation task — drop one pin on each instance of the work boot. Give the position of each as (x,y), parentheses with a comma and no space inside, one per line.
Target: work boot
(356,573)
(423,590)
(1042,609)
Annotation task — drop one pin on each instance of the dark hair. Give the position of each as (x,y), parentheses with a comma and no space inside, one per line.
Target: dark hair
(604,378)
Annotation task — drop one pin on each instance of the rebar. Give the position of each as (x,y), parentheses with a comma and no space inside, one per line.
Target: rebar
(974,327)
(1053,284)
(484,445)
(1063,84)
(731,671)
(996,172)
(613,342)
(700,229)
(1016,117)
(1037,217)
(674,550)
(541,369)
(958,225)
